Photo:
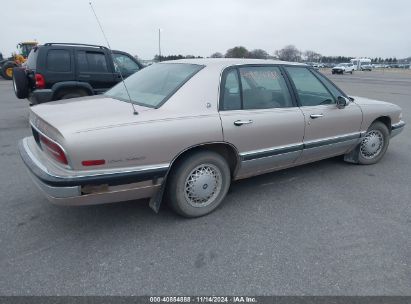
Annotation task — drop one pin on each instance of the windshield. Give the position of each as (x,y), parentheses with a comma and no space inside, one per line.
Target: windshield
(153,85)
(344,64)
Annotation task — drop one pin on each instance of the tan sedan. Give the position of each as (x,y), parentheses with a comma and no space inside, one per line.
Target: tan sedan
(181,131)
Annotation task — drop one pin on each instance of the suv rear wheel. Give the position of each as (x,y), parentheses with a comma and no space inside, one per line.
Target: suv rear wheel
(20,83)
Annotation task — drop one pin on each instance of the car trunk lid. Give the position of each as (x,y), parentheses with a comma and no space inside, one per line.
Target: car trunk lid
(73,115)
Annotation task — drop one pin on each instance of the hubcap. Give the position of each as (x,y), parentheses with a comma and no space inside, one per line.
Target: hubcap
(203,185)
(372,144)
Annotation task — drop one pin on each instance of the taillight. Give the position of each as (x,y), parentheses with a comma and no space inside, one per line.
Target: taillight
(53,150)
(40,81)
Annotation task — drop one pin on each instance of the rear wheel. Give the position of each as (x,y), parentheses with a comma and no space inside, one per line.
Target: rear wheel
(198,184)
(374,144)
(20,83)
(7,70)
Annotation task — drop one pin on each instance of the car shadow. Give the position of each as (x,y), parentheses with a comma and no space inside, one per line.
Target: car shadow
(139,210)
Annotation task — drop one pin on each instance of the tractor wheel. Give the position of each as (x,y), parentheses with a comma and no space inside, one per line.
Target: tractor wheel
(7,70)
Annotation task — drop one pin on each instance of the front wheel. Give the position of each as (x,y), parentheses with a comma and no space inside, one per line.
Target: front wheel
(198,184)
(374,144)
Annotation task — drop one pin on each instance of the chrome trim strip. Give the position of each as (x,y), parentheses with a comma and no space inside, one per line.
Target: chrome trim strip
(331,140)
(250,155)
(130,169)
(42,173)
(270,152)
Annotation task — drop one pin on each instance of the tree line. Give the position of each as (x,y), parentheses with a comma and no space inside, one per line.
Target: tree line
(287,53)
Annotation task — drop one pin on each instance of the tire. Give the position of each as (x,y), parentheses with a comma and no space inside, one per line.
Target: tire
(377,134)
(72,94)
(332,72)
(20,83)
(203,168)
(7,70)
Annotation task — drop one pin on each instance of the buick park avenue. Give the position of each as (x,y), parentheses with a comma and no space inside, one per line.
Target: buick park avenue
(180,132)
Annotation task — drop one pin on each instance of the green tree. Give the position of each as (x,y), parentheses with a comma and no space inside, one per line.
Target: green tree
(217,55)
(289,53)
(237,52)
(258,54)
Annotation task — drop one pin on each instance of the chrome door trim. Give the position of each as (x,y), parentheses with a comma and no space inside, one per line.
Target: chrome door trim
(256,154)
(331,140)
(270,152)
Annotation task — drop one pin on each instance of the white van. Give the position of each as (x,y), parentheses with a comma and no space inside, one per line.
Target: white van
(362,64)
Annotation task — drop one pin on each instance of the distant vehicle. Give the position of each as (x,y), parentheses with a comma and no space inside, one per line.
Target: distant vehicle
(366,67)
(16,60)
(342,68)
(313,65)
(361,64)
(201,124)
(56,71)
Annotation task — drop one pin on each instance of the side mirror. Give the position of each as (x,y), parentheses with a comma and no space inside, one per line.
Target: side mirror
(342,102)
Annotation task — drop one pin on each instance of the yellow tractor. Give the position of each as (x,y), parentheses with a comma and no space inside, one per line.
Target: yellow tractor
(17,59)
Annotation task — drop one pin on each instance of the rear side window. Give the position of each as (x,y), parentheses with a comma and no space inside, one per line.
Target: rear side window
(58,61)
(32,59)
(259,87)
(231,93)
(91,62)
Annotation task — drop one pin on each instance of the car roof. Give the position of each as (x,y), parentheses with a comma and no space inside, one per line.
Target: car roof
(224,62)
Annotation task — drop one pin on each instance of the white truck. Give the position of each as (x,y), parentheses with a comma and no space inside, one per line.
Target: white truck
(362,64)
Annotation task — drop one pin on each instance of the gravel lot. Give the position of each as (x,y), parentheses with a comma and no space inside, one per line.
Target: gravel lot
(327,228)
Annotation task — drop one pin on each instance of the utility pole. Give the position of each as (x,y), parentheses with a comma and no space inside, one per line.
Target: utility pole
(159,44)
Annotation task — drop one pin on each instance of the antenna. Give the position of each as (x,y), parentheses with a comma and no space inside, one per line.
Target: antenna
(111,51)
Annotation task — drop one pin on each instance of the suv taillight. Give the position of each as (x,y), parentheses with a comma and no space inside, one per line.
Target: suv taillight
(53,150)
(40,81)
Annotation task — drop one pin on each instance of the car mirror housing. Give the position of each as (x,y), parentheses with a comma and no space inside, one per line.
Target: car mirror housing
(342,102)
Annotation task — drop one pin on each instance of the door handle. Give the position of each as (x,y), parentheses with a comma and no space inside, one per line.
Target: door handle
(242,122)
(314,116)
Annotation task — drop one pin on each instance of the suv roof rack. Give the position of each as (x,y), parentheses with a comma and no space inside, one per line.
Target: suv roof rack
(75,44)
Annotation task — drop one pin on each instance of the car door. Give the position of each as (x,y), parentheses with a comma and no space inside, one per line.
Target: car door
(92,67)
(329,130)
(259,117)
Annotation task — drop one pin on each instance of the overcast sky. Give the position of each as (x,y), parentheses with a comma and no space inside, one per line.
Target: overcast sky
(201,27)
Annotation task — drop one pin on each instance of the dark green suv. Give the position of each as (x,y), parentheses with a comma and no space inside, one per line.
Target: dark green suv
(56,71)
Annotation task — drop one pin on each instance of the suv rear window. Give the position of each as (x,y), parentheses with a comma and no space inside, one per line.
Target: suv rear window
(58,61)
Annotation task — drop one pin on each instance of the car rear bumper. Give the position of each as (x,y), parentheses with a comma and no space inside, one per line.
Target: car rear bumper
(94,188)
(397,128)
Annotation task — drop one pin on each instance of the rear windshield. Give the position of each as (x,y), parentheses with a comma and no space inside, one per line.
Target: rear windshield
(32,59)
(153,85)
